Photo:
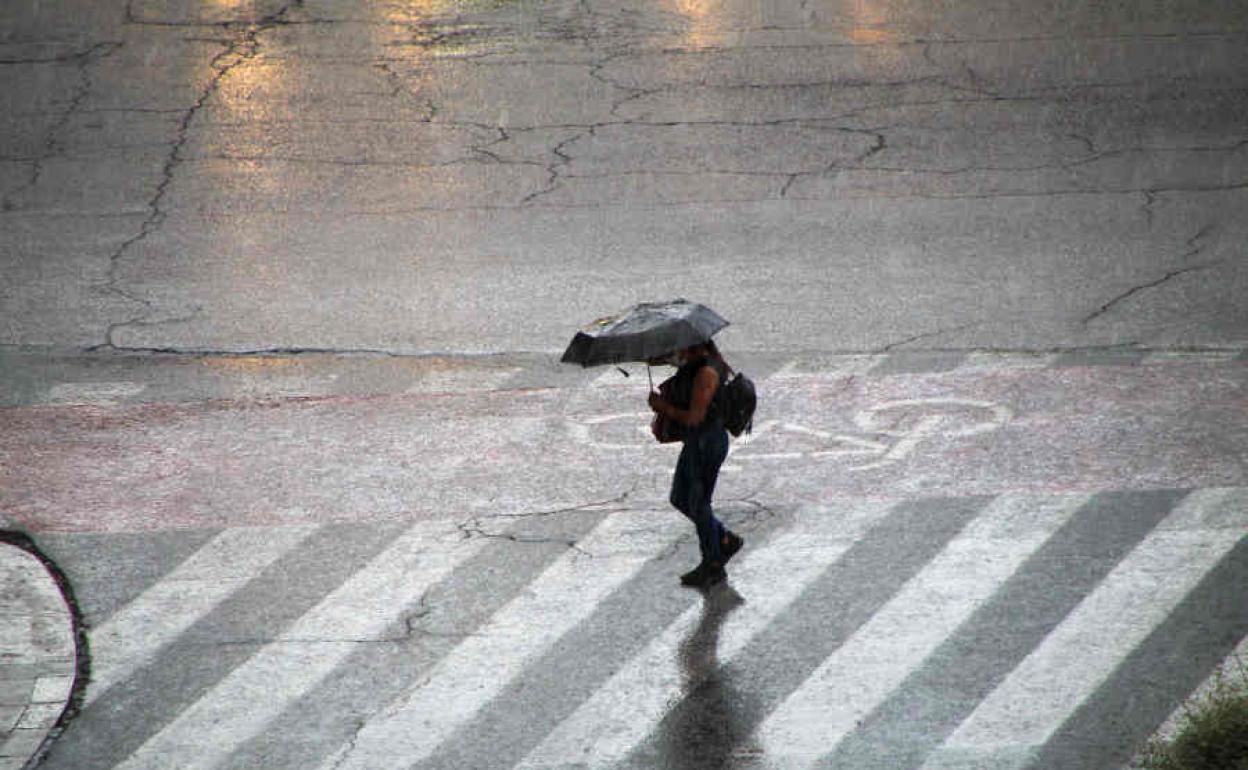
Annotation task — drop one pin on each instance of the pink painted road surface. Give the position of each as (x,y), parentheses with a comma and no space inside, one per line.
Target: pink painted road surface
(820,437)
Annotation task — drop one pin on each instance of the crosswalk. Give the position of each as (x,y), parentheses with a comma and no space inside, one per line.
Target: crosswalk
(1010,631)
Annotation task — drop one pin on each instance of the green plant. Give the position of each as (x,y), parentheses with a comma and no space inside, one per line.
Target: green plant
(1213,733)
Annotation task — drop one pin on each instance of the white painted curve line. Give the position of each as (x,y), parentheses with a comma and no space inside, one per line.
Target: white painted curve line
(480,667)
(628,707)
(131,637)
(869,666)
(841,366)
(366,605)
(978,360)
(1033,702)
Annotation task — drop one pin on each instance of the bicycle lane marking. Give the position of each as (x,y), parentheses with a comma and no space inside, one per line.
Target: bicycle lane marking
(933,418)
(968,432)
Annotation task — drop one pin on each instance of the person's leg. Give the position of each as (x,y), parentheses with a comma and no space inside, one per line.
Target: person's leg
(715,454)
(682,481)
(712,450)
(688,496)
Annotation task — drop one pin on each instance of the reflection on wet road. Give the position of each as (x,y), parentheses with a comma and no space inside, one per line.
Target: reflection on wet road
(715,717)
(233,176)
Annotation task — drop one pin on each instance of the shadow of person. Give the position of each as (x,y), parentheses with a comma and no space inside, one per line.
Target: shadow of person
(714,716)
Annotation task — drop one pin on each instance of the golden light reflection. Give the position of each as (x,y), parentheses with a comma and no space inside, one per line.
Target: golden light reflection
(413,11)
(703,19)
(871,23)
(251,117)
(249,364)
(259,89)
(695,9)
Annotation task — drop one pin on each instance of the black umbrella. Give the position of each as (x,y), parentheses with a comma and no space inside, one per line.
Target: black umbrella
(643,332)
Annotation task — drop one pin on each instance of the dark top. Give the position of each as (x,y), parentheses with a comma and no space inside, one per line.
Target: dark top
(682,394)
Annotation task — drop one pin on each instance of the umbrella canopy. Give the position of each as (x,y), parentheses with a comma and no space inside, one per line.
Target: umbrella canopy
(644,331)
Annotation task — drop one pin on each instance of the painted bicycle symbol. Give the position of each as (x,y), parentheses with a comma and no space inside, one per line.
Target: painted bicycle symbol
(885,434)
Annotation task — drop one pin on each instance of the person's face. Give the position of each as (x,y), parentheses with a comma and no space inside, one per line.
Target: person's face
(682,357)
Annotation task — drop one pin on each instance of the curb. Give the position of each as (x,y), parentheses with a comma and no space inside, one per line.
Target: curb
(43,669)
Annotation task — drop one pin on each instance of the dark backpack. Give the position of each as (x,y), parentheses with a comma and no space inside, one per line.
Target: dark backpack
(739,400)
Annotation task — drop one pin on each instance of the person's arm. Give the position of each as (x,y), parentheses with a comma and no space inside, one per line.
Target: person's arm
(704,386)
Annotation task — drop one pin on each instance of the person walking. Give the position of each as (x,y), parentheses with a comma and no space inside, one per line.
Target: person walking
(695,407)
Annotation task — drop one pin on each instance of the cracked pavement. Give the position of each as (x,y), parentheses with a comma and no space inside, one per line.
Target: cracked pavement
(468,178)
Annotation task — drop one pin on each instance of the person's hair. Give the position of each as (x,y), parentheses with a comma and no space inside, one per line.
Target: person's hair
(713,350)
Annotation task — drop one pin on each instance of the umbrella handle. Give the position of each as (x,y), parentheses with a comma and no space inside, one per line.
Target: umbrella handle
(649,377)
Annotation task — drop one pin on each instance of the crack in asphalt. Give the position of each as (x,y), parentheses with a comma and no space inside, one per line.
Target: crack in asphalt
(609,505)
(1065,164)
(562,160)
(475,527)
(759,511)
(1195,248)
(834,168)
(52,146)
(472,529)
(351,744)
(243,48)
(1229,187)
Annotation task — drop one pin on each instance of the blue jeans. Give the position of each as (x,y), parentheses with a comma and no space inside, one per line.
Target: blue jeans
(694,483)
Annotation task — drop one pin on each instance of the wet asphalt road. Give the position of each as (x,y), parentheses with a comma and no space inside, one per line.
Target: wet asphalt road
(281,290)
(480,177)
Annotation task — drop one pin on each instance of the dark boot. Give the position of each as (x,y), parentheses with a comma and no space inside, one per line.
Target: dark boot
(704,575)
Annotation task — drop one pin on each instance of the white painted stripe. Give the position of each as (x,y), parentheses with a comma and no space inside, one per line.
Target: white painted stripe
(841,366)
(1189,356)
(1021,714)
(478,669)
(373,600)
(131,637)
(980,360)
(865,670)
(462,379)
(94,392)
(627,708)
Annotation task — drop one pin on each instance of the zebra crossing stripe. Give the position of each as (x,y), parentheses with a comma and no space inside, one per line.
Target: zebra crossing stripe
(1009,727)
(133,634)
(831,608)
(370,602)
(1230,670)
(472,674)
(626,709)
(930,704)
(859,675)
(1170,663)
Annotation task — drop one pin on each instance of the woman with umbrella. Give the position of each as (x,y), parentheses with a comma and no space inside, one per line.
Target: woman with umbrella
(679,333)
(695,408)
